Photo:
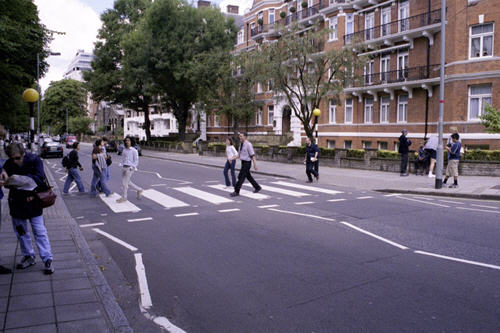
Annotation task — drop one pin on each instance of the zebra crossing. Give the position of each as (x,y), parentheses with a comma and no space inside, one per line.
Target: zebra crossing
(215,194)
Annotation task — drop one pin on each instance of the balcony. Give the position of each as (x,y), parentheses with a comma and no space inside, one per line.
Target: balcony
(407,29)
(405,79)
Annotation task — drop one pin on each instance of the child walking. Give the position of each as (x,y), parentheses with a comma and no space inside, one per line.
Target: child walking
(230,162)
(453,158)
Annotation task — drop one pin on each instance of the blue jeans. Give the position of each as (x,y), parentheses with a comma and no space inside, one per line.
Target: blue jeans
(107,173)
(41,237)
(98,176)
(73,175)
(233,175)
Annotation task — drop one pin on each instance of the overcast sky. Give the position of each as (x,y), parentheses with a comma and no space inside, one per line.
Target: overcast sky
(79,20)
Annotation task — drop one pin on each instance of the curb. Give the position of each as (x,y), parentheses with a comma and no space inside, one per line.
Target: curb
(215,166)
(114,312)
(444,194)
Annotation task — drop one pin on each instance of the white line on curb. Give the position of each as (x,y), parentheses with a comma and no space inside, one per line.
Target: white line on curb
(402,247)
(116,240)
(143,281)
(476,263)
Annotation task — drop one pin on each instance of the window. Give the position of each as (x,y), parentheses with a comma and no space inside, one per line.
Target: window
(367,144)
(348,111)
(403,65)
(369,69)
(385,21)
(259,87)
(209,121)
(385,67)
(404,14)
(348,144)
(330,144)
(479,96)
(270,85)
(369,24)
(241,36)
(216,120)
(384,109)
(402,108)
(259,116)
(270,115)
(382,145)
(167,124)
(270,18)
(481,40)
(332,112)
(333,26)
(349,27)
(369,110)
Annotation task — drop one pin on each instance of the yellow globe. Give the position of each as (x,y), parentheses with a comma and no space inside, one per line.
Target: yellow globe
(30,95)
(317,112)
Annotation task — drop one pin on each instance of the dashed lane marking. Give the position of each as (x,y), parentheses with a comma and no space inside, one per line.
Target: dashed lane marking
(483,206)
(91,225)
(363,198)
(452,202)
(304,203)
(392,195)
(336,200)
(229,210)
(141,219)
(402,247)
(268,206)
(301,214)
(186,214)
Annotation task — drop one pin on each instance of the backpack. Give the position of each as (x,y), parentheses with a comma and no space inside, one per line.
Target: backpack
(65,162)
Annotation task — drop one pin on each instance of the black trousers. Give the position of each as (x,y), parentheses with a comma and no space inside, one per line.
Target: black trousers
(404,163)
(245,174)
(311,169)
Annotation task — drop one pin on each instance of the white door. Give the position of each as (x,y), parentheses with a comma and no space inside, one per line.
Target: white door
(385,21)
(385,67)
(404,14)
(369,24)
(402,66)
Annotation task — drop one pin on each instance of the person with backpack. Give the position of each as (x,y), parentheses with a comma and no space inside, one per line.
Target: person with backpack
(71,163)
(403,150)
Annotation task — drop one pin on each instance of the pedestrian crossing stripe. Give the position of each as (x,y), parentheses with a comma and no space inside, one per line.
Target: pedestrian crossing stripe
(282,191)
(163,199)
(243,193)
(212,198)
(308,188)
(122,207)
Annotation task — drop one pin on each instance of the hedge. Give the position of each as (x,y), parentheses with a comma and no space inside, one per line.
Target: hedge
(356,153)
(482,155)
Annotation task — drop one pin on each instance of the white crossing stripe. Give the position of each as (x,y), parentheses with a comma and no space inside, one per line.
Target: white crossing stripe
(282,191)
(336,200)
(123,207)
(307,188)
(268,206)
(187,214)
(304,203)
(163,199)
(140,220)
(212,198)
(363,198)
(229,210)
(243,193)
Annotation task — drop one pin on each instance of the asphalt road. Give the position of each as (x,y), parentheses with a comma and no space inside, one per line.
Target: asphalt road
(293,261)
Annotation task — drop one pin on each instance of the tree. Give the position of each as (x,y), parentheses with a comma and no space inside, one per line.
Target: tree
(61,96)
(22,36)
(114,78)
(80,125)
(169,37)
(491,119)
(302,71)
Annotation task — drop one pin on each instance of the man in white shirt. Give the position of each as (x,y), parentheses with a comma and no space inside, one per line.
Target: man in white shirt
(130,161)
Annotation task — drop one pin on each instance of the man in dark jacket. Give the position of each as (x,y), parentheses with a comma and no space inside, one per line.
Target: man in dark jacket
(404,144)
(312,153)
(24,206)
(72,166)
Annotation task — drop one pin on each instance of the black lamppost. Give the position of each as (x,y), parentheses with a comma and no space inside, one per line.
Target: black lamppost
(30,96)
(316,113)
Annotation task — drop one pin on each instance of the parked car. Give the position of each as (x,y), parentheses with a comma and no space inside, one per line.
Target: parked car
(70,140)
(47,139)
(56,138)
(51,149)
(136,146)
(112,146)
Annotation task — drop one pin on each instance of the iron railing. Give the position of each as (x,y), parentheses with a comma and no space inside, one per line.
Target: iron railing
(400,75)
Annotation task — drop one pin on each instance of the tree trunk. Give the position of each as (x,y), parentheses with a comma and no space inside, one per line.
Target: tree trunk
(147,122)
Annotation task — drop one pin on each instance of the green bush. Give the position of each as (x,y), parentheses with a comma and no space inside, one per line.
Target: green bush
(327,152)
(263,148)
(356,153)
(301,150)
(482,155)
(389,154)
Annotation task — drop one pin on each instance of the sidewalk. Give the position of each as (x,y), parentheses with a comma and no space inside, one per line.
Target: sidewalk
(469,186)
(76,298)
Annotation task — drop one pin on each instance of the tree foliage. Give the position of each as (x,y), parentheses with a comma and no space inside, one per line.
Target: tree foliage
(61,96)
(22,36)
(80,125)
(491,119)
(302,72)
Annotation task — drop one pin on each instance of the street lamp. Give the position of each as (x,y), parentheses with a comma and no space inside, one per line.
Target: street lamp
(316,113)
(440,157)
(30,96)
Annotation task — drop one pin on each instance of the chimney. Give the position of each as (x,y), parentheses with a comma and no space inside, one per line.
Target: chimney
(203,3)
(233,9)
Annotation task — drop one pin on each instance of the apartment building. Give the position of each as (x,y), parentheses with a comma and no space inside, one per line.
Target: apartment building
(400,83)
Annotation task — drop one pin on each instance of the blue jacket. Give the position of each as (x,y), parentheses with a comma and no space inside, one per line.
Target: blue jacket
(311,151)
(454,153)
(404,143)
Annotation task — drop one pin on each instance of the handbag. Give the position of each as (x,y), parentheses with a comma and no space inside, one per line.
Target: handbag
(47,196)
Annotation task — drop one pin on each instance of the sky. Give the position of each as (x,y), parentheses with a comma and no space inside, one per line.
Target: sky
(79,20)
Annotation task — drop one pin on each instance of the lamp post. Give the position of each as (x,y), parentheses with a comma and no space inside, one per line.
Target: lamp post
(316,113)
(30,96)
(440,157)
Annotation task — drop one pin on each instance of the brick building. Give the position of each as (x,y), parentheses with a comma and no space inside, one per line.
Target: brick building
(400,85)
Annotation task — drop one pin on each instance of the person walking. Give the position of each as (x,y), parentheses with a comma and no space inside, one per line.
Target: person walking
(230,163)
(130,162)
(310,160)
(72,166)
(108,157)
(3,269)
(98,167)
(403,150)
(246,155)
(24,206)
(431,149)
(453,159)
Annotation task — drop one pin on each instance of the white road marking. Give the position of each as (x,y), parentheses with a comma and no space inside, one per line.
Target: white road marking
(483,206)
(304,203)
(424,202)
(123,207)
(141,219)
(392,195)
(363,198)
(161,321)
(158,185)
(72,187)
(63,178)
(336,200)
(116,240)
(181,182)
(301,214)
(229,210)
(146,301)
(187,214)
(480,210)
(243,193)
(212,181)
(452,202)
(91,225)
(424,198)
(163,199)
(476,263)
(308,188)
(402,247)
(268,206)
(79,217)
(282,191)
(104,214)
(212,198)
